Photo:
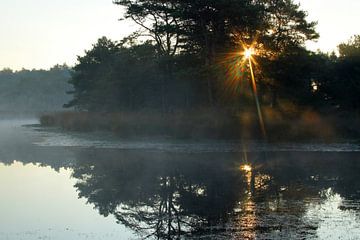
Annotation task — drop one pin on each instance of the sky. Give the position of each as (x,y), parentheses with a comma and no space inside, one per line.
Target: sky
(37,34)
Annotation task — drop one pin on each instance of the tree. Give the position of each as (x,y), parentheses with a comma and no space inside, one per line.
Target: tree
(344,84)
(211,28)
(286,27)
(159,21)
(338,77)
(288,74)
(92,75)
(114,76)
(351,48)
(285,62)
(187,41)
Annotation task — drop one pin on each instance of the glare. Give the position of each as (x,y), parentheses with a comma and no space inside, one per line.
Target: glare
(246,168)
(248,53)
(314,86)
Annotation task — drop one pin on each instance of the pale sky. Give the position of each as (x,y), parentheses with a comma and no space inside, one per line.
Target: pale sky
(338,20)
(42,33)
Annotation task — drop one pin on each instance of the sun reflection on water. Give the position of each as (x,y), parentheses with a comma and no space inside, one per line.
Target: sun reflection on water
(248,220)
(246,168)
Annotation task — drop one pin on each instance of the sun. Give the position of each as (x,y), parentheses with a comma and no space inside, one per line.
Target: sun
(248,53)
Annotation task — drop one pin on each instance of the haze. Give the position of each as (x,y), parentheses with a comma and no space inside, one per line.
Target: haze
(39,34)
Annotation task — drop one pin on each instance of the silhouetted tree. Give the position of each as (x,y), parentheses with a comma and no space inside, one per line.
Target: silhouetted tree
(340,80)
(211,28)
(350,48)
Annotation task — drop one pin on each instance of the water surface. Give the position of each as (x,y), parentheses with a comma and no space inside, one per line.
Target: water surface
(57,185)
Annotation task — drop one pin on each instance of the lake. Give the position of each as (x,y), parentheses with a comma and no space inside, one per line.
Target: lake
(57,185)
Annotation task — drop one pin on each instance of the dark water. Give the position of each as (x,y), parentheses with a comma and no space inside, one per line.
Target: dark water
(92,187)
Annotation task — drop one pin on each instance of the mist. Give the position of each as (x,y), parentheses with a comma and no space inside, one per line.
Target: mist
(194,120)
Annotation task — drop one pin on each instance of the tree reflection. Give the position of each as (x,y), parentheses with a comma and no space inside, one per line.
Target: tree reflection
(171,196)
(165,196)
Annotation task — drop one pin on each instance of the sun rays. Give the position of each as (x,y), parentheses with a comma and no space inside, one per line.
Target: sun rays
(240,68)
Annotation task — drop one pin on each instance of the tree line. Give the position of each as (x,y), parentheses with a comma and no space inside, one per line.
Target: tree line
(34,90)
(188,54)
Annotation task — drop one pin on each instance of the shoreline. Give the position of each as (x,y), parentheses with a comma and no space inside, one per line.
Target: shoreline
(212,125)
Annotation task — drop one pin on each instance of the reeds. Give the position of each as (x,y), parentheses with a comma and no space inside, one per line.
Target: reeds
(280,125)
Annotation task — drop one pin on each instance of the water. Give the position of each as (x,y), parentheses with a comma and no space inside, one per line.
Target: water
(55,185)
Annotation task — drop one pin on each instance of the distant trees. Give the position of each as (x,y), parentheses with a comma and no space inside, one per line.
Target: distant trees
(350,48)
(341,84)
(34,90)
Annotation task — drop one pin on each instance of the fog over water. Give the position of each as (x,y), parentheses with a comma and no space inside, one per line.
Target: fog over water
(99,187)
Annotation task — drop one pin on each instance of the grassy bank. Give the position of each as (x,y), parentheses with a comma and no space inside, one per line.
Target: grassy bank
(129,124)
(281,124)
